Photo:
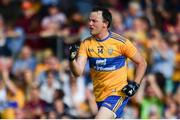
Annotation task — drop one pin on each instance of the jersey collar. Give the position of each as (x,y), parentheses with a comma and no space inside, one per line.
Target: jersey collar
(101,40)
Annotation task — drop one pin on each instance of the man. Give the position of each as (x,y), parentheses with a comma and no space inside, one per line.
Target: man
(107,53)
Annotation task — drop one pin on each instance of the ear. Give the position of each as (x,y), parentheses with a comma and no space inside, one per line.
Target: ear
(105,24)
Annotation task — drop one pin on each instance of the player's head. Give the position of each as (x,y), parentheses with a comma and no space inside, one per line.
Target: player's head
(107,17)
(99,19)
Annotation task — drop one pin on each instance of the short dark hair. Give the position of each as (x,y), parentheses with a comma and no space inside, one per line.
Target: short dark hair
(105,13)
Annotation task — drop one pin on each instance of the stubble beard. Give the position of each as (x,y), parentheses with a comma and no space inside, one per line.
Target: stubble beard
(94,33)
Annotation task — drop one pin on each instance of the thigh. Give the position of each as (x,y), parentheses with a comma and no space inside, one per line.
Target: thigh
(114,104)
(105,113)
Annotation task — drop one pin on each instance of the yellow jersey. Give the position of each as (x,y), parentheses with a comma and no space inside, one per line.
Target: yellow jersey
(107,60)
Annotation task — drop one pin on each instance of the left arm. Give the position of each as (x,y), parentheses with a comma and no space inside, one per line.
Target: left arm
(131,52)
(140,66)
(131,88)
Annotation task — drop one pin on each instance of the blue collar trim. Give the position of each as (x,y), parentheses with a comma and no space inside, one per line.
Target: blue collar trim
(104,38)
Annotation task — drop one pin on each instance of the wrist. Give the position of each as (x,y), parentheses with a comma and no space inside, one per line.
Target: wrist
(134,83)
(131,88)
(137,81)
(137,85)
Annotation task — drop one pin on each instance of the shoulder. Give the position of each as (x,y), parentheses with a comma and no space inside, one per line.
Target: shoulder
(118,37)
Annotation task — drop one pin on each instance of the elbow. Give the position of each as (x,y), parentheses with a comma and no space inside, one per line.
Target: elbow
(143,64)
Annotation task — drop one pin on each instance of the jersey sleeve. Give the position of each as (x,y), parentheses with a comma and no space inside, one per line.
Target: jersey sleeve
(128,49)
(82,49)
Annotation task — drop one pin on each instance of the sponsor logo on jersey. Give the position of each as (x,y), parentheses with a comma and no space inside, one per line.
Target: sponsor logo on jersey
(90,50)
(101,62)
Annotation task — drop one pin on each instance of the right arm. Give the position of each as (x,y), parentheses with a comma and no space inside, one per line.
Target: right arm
(77,58)
(77,65)
(10,85)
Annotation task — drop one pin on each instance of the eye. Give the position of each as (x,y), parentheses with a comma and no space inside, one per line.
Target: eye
(94,20)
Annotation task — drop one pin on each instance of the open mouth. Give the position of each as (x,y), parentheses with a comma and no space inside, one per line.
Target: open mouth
(91,28)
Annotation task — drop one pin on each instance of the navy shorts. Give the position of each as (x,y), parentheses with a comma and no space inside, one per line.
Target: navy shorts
(115,103)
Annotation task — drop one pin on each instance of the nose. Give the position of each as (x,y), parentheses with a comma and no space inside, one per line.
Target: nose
(90,23)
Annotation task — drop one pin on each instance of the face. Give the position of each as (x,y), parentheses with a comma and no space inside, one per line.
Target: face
(52,63)
(50,79)
(53,10)
(26,52)
(96,23)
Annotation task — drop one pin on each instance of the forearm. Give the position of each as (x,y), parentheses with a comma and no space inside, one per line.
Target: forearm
(140,71)
(75,68)
(11,86)
(157,90)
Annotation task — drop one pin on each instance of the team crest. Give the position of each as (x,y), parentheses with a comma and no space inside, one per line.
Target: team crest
(110,51)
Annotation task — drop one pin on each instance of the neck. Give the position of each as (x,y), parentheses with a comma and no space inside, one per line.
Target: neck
(102,35)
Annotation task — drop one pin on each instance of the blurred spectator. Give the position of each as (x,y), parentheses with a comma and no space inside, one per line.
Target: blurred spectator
(27,77)
(25,61)
(52,115)
(171,108)
(53,66)
(134,11)
(29,22)
(42,59)
(163,61)
(52,25)
(55,16)
(138,34)
(177,100)
(90,101)
(4,49)
(15,38)
(50,2)
(176,74)
(177,25)
(10,9)
(117,23)
(15,95)
(35,107)
(75,25)
(131,111)
(75,96)
(150,97)
(119,5)
(84,6)
(47,89)
(61,108)
(20,113)
(2,91)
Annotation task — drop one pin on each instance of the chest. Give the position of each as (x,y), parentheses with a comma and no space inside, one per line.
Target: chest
(103,50)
